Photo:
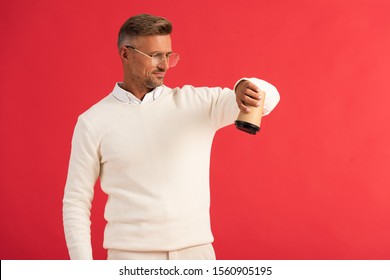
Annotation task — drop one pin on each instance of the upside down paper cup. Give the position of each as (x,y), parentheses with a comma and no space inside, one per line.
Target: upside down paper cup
(250,122)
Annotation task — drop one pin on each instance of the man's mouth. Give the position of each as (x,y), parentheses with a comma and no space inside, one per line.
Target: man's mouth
(159,74)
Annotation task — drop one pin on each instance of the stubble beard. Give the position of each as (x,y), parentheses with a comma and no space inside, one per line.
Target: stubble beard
(152,82)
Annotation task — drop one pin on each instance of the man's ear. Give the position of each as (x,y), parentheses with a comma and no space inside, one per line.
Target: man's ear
(124,53)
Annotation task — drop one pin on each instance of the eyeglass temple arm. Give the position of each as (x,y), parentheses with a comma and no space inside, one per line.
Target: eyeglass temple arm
(131,47)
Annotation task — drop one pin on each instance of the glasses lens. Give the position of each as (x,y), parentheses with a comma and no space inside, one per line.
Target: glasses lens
(160,58)
(173,59)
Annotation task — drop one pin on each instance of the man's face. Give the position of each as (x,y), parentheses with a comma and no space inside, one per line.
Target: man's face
(142,72)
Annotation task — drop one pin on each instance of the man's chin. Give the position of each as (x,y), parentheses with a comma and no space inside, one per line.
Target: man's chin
(155,83)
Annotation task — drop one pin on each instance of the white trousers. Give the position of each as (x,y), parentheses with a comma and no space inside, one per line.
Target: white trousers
(202,252)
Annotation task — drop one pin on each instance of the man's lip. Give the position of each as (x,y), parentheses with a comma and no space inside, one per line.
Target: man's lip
(159,74)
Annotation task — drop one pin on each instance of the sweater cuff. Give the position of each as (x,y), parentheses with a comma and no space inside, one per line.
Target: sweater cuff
(81,253)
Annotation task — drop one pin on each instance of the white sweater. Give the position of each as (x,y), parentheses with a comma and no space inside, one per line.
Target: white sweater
(153,163)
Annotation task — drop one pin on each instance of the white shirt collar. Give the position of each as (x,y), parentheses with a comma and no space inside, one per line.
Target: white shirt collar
(127,97)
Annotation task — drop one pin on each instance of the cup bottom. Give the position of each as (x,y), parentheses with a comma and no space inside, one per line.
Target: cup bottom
(247,127)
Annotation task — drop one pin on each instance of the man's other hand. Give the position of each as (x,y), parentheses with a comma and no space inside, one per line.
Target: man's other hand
(248,94)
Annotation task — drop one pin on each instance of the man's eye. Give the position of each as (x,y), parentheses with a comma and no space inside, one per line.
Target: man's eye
(161,55)
(158,55)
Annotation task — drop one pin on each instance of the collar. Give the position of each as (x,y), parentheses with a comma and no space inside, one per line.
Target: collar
(127,97)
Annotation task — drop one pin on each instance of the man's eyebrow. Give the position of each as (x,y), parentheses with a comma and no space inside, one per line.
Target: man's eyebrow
(160,52)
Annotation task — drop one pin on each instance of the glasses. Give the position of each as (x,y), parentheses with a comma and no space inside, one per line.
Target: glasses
(158,57)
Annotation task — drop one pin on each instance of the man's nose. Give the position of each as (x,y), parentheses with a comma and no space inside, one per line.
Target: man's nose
(164,63)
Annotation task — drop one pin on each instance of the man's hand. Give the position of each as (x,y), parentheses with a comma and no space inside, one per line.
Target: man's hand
(248,94)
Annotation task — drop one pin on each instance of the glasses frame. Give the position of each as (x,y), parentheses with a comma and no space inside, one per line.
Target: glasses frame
(157,58)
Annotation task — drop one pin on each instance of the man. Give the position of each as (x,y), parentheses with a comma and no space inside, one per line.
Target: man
(150,146)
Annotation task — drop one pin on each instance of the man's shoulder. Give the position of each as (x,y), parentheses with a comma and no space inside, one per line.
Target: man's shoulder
(102,104)
(99,108)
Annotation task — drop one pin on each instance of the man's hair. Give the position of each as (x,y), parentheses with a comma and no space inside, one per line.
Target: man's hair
(143,25)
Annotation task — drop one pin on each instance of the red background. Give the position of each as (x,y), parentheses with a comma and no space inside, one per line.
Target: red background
(314,184)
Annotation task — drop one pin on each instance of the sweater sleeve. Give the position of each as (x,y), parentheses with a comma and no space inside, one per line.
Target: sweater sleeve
(84,168)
